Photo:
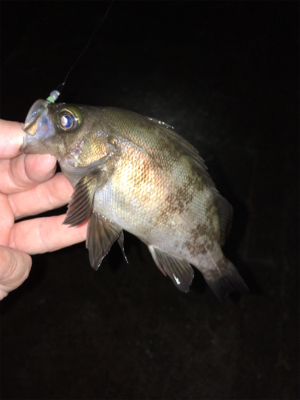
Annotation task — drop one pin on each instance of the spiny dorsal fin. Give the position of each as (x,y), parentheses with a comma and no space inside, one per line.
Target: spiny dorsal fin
(179,271)
(189,149)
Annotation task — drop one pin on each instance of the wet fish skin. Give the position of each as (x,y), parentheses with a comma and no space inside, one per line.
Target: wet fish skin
(136,173)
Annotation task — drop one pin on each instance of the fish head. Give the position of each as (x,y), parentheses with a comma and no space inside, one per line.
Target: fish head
(72,133)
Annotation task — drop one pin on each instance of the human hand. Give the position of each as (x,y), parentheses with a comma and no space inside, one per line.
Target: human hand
(28,187)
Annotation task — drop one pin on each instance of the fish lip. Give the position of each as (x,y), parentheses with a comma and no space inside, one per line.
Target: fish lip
(38,127)
(36,110)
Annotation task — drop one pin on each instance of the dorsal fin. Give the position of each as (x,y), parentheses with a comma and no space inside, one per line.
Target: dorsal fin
(225,212)
(179,142)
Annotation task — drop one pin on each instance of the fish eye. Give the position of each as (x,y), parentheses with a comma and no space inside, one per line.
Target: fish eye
(69,118)
(66,121)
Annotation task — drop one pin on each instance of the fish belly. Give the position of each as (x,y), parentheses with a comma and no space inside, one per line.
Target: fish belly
(159,218)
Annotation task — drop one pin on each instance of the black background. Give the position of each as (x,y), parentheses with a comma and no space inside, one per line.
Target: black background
(225,74)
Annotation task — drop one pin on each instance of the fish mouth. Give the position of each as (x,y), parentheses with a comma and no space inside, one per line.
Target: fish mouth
(35,112)
(38,127)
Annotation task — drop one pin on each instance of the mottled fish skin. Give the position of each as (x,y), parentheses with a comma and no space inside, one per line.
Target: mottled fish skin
(136,173)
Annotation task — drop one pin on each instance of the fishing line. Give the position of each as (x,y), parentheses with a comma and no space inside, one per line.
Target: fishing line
(53,97)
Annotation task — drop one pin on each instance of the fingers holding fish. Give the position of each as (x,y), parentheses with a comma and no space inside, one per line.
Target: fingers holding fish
(39,169)
(25,171)
(54,193)
(6,220)
(11,138)
(40,235)
(19,172)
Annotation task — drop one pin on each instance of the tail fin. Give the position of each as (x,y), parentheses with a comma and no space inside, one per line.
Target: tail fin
(224,279)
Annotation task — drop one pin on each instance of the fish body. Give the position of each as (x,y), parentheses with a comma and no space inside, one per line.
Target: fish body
(136,173)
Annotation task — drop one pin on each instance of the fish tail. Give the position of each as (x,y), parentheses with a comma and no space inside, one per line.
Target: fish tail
(223,278)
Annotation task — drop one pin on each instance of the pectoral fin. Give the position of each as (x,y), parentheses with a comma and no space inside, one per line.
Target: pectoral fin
(81,202)
(178,270)
(100,237)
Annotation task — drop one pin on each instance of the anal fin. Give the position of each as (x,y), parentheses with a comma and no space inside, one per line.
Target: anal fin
(101,236)
(179,271)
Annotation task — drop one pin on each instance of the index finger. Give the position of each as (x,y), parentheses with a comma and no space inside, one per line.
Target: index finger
(11,138)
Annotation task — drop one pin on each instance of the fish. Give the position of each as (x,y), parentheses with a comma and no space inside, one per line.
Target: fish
(136,173)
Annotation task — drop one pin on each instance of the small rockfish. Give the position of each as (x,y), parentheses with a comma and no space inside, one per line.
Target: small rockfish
(136,173)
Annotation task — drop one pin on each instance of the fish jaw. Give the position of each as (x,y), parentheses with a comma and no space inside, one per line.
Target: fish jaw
(38,128)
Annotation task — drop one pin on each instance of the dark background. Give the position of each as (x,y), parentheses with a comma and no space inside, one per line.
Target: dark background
(225,74)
